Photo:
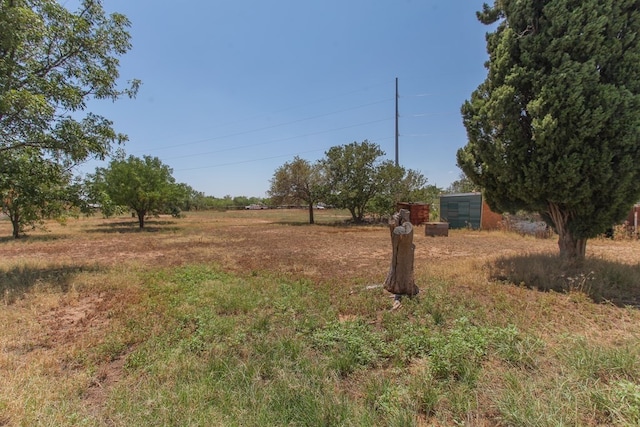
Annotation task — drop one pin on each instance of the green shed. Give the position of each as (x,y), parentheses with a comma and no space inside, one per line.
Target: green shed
(461,210)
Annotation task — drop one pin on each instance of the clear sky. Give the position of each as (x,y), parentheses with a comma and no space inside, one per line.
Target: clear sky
(233,89)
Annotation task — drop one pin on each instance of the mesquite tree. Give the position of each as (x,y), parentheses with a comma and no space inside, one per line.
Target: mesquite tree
(555,127)
(145,185)
(33,189)
(356,175)
(298,181)
(52,61)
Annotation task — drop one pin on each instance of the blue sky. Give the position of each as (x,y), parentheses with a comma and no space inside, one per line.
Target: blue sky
(233,89)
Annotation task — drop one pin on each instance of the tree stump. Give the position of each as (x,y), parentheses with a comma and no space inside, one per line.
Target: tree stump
(400,280)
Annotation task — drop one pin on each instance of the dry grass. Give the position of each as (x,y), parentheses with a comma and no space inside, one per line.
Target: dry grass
(67,289)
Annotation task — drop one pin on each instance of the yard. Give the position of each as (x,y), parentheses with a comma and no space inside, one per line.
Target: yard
(254,317)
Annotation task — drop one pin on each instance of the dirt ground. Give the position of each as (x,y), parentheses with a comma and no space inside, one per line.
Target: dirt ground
(245,241)
(249,241)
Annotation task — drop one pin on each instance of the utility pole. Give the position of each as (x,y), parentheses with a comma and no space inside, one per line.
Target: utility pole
(397,134)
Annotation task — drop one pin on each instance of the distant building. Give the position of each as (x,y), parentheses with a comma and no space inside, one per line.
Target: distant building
(468,210)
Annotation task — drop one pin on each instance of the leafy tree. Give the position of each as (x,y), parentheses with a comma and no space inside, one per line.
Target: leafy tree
(396,185)
(241,201)
(144,185)
(355,177)
(298,181)
(555,127)
(429,194)
(462,185)
(187,199)
(32,188)
(51,62)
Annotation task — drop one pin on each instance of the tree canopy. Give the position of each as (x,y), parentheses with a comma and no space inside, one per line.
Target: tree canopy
(52,61)
(359,181)
(462,185)
(298,181)
(32,189)
(353,176)
(397,185)
(144,185)
(555,127)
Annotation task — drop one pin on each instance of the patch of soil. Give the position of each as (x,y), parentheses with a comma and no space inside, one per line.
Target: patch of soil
(106,378)
(64,324)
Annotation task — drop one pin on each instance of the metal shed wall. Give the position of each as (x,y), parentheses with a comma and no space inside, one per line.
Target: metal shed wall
(461,210)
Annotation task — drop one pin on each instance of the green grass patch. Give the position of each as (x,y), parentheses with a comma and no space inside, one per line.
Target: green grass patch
(201,346)
(258,350)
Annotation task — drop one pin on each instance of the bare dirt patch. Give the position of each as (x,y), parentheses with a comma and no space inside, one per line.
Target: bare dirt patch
(65,323)
(246,243)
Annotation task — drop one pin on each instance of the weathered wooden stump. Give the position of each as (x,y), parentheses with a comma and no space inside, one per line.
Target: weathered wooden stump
(400,280)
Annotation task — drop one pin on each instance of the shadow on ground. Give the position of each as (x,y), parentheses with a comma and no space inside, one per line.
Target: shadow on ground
(28,238)
(16,282)
(150,226)
(601,280)
(335,224)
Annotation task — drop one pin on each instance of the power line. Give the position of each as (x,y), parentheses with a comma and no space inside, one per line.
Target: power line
(239,162)
(276,125)
(278,140)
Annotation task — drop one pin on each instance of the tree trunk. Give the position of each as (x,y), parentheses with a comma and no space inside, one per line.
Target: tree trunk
(571,247)
(311,213)
(400,280)
(354,217)
(15,223)
(141,215)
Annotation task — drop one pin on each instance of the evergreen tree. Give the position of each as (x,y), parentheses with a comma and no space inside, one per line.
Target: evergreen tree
(555,127)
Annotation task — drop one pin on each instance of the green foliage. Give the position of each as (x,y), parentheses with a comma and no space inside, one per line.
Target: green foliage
(51,62)
(555,126)
(398,185)
(599,363)
(144,185)
(298,181)
(353,176)
(456,354)
(390,401)
(358,181)
(622,403)
(462,185)
(33,188)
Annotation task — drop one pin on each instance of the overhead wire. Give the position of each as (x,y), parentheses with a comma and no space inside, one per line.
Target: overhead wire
(380,101)
(239,162)
(279,139)
(239,147)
